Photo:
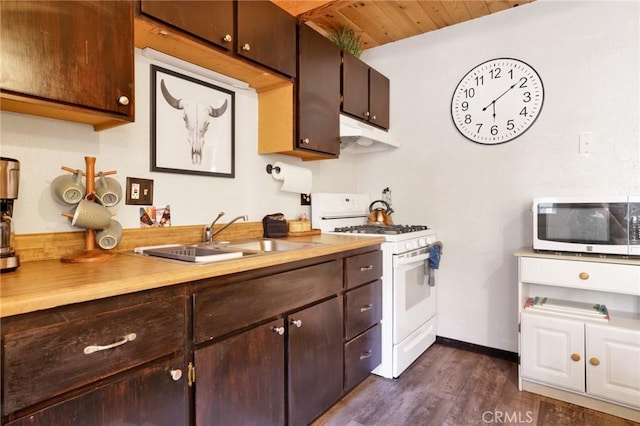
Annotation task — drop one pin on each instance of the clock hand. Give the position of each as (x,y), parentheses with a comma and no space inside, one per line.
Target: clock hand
(503,93)
(493,106)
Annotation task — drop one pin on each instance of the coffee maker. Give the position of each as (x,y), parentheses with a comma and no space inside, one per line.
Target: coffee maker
(9,177)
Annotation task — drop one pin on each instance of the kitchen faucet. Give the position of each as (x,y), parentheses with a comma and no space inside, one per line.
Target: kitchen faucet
(208,230)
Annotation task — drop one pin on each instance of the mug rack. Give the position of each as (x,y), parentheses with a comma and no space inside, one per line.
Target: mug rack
(91,253)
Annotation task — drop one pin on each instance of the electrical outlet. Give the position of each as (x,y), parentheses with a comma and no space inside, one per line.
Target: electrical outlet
(139,191)
(305,199)
(586,143)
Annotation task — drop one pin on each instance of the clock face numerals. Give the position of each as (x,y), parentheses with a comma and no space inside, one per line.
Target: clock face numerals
(497,101)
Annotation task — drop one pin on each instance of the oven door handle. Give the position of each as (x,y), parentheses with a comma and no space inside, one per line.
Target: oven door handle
(409,260)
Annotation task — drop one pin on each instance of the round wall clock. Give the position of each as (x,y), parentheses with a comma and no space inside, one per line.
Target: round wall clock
(497,101)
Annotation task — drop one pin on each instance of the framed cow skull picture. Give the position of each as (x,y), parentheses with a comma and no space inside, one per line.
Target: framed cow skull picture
(192,125)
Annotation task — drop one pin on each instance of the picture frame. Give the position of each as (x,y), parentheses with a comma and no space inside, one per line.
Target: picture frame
(192,125)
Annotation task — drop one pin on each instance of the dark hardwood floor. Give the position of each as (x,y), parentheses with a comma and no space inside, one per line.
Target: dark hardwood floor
(448,386)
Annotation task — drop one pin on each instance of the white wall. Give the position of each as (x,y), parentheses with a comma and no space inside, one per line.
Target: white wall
(478,197)
(43,145)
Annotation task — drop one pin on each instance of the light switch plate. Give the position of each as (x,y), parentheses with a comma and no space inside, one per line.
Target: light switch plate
(139,191)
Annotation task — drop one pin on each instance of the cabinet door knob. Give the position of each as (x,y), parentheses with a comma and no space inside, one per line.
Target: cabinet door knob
(123,100)
(594,361)
(373,117)
(584,276)
(306,140)
(575,357)
(297,323)
(367,114)
(227,38)
(246,47)
(278,330)
(176,374)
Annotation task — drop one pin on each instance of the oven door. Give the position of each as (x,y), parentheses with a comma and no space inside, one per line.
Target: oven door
(414,300)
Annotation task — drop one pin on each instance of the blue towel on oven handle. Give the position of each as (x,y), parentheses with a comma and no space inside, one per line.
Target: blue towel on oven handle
(435,252)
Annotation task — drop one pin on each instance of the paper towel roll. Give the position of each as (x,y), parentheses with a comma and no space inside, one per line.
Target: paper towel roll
(294,179)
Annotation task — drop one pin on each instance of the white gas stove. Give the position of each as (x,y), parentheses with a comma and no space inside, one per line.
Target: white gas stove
(408,283)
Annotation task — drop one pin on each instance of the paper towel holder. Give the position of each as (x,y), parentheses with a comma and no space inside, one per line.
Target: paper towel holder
(271,169)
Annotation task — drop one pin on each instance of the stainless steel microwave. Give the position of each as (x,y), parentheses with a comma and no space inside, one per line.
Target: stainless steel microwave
(606,225)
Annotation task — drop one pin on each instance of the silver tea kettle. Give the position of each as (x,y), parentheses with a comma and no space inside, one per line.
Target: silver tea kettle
(380,216)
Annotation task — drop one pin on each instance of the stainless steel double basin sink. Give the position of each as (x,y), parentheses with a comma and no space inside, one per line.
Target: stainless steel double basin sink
(216,251)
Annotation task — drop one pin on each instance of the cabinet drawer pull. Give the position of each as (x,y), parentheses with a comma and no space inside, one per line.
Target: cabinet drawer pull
(575,357)
(366,268)
(96,348)
(278,330)
(366,308)
(594,361)
(584,276)
(366,354)
(123,100)
(227,38)
(246,47)
(297,323)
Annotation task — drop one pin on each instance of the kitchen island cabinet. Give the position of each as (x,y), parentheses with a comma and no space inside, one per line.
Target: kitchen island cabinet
(70,60)
(365,92)
(577,356)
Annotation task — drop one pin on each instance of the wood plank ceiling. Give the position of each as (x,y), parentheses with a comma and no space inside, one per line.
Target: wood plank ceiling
(383,21)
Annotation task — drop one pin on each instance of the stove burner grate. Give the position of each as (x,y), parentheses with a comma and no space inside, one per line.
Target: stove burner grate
(381,229)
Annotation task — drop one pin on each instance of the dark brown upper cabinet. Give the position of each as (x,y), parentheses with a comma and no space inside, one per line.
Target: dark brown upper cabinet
(266,34)
(210,20)
(318,93)
(70,60)
(365,92)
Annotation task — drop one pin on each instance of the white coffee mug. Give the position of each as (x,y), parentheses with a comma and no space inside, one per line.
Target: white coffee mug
(109,237)
(68,188)
(108,190)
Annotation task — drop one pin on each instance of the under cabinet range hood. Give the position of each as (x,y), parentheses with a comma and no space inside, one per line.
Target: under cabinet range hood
(357,137)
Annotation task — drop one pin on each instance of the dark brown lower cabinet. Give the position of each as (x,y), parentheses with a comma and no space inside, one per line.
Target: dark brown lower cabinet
(315,360)
(240,380)
(266,347)
(361,356)
(156,394)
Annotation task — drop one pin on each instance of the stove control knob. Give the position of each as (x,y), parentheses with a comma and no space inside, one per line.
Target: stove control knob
(408,245)
(422,242)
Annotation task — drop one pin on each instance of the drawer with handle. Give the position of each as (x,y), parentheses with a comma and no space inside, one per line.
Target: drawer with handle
(363,268)
(361,356)
(46,361)
(363,308)
(609,277)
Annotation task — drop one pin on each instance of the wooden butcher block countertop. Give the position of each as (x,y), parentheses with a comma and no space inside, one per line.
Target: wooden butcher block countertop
(50,283)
